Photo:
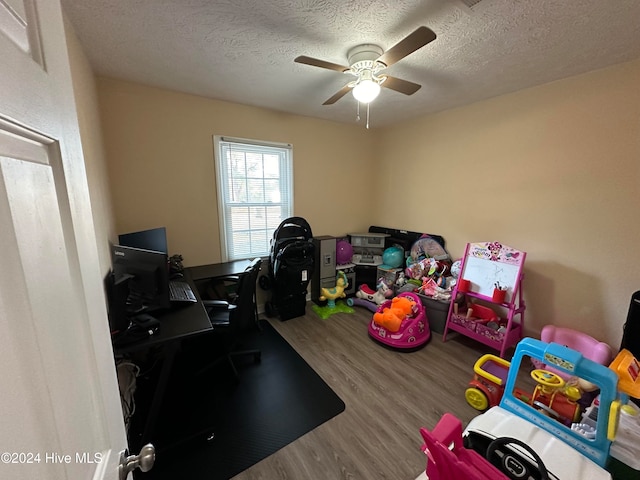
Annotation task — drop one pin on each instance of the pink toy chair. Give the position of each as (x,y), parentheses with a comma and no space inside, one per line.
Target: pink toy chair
(448,459)
(589,347)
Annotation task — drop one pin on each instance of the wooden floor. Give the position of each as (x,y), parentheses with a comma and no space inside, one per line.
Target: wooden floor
(389,395)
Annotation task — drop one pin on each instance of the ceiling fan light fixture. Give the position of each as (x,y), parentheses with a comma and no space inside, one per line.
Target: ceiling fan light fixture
(366,91)
(366,61)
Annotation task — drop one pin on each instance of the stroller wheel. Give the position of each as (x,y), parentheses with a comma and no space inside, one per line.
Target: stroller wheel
(269,309)
(264,282)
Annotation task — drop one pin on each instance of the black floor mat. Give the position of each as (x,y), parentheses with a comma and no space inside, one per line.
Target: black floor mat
(274,402)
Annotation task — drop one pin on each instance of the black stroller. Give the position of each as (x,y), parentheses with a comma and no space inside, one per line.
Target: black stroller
(291,266)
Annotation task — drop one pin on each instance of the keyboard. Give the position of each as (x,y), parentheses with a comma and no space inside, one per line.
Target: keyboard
(181,292)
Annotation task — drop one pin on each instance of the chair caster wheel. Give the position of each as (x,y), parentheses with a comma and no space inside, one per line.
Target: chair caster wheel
(264,282)
(269,309)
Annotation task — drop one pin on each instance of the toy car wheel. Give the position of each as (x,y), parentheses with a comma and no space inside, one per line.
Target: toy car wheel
(476,398)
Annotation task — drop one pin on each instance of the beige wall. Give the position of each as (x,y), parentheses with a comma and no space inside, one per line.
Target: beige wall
(84,88)
(160,156)
(553,171)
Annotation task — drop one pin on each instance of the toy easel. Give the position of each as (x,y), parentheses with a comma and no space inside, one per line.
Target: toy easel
(491,272)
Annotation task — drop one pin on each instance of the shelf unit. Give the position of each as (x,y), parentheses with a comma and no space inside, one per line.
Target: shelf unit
(487,265)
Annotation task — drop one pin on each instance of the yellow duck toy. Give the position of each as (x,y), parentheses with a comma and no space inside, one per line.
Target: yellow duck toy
(331,294)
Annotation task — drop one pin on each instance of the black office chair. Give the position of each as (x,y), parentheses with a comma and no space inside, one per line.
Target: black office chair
(236,315)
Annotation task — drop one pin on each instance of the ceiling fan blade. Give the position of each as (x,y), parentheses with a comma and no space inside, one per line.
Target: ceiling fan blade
(399,85)
(341,93)
(314,62)
(418,39)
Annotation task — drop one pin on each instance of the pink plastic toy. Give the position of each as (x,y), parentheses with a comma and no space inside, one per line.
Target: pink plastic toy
(447,459)
(588,346)
(379,296)
(413,332)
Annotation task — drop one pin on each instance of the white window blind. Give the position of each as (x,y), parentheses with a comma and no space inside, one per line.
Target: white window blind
(255,193)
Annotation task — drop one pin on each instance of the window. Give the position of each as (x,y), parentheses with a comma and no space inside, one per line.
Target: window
(255,194)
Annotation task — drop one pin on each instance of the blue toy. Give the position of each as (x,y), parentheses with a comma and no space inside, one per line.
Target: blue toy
(393,257)
(567,447)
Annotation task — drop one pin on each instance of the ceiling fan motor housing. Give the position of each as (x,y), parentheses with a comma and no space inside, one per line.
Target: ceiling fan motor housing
(364,57)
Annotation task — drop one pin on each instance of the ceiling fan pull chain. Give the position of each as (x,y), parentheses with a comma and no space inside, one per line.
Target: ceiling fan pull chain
(358,111)
(367,115)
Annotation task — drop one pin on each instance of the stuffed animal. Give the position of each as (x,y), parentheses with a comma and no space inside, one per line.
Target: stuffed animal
(391,317)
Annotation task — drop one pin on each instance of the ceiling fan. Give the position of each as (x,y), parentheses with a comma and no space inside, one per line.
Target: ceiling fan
(367,61)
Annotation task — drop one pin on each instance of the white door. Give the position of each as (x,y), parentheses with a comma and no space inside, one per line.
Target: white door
(60,415)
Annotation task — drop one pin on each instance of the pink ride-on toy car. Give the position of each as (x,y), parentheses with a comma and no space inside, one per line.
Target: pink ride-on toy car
(411,330)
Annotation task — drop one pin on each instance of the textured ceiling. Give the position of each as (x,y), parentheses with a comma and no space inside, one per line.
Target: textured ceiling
(242,51)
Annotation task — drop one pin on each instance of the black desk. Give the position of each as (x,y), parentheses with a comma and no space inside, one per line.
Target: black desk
(180,322)
(203,274)
(215,270)
(176,324)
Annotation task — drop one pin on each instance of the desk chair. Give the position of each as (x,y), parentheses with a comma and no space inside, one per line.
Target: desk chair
(235,315)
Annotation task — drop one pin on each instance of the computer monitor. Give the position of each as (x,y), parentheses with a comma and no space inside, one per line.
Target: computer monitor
(147,274)
(117,294)
(153,239)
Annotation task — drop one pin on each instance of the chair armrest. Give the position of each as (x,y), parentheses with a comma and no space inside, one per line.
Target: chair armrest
(219,304)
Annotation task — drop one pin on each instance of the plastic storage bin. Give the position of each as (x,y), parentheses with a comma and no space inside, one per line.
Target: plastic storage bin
(436,311)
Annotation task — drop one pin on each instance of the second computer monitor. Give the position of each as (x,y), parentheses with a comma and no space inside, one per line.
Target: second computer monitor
(153,239)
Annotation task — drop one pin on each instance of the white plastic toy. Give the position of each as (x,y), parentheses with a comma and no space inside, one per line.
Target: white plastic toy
(560,450)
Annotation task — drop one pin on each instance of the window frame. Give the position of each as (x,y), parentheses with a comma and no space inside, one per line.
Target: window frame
(223,190)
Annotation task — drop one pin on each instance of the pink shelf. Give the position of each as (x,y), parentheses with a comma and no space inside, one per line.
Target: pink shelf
(485,267)
(509,339)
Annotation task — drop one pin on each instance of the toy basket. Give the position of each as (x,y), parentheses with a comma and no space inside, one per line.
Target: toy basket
(479,316)
(496,331)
